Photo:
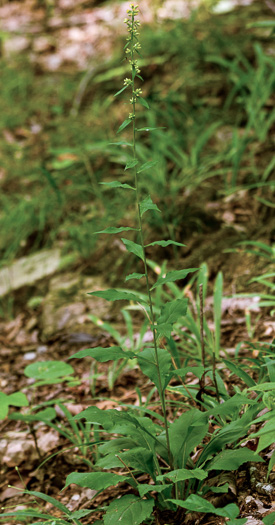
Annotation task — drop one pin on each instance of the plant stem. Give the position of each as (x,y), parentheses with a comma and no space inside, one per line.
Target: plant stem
(133,101)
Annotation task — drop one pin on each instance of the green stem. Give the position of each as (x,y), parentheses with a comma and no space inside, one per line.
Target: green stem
(161,391)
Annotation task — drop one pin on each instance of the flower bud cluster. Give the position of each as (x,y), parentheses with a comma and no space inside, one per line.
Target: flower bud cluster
(132,47)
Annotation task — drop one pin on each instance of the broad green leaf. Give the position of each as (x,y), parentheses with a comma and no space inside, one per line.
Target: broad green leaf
(147,204)
(109,461)
(102,355)
(240,373)
(228,434)
(120,91)
(172,311)
(164,329)
(116,295)
(128,510)
(117,184)
(112,229)
(148,365)
(269,519)
(131,164)
(145,488)
(143,102)
(139,458)
(94,415)
(165,243)
(231,406)
(182,474)
(94,480)
(233,459)
(198,504)
(266,433)
(268,438)
(147,165)
(134,248)
(18,399)
(186,433)
(46,415)
(48,370)
(174,276)
(124,125)
(134,276)
(4,405)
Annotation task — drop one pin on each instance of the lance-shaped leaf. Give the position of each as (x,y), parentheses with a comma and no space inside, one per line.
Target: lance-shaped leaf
(143,102)
(120,91)
(139,458)
(128,510)
(173,276)
(173,310)
(165,243)
(233,459)
(148,365)
(131,164)
(147,204)
(50,500)
(124,125)
(145,488)
(94,480)
(117,295)
(182,474)
(117,184)
(134,248)
(198,504)
(94,415)
(102,355)
(170,314)
(147,165)
(134,276)
(186,433)
(113,230)
(120,143)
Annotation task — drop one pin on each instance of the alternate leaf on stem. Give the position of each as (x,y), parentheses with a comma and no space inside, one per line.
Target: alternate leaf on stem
(147,204)
(102,355)
(173,276)
(117,184)
(116,295)
(113,230)
(134,248)
(147,165)
(124,125)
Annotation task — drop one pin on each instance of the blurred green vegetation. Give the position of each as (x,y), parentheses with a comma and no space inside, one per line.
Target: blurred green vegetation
(209,81)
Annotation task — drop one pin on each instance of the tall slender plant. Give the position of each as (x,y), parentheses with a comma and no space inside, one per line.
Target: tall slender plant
(161,454)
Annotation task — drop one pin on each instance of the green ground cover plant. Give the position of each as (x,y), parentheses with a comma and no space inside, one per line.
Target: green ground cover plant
(149,452)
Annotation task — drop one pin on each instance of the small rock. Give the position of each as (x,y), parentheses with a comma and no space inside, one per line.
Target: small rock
(29,356)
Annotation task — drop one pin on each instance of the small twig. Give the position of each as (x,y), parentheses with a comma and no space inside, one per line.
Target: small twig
(127,468)
(33,433)
(214,378)
(182,382)
(202,380)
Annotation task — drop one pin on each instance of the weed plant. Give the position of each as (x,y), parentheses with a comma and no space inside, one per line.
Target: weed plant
(153,452)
